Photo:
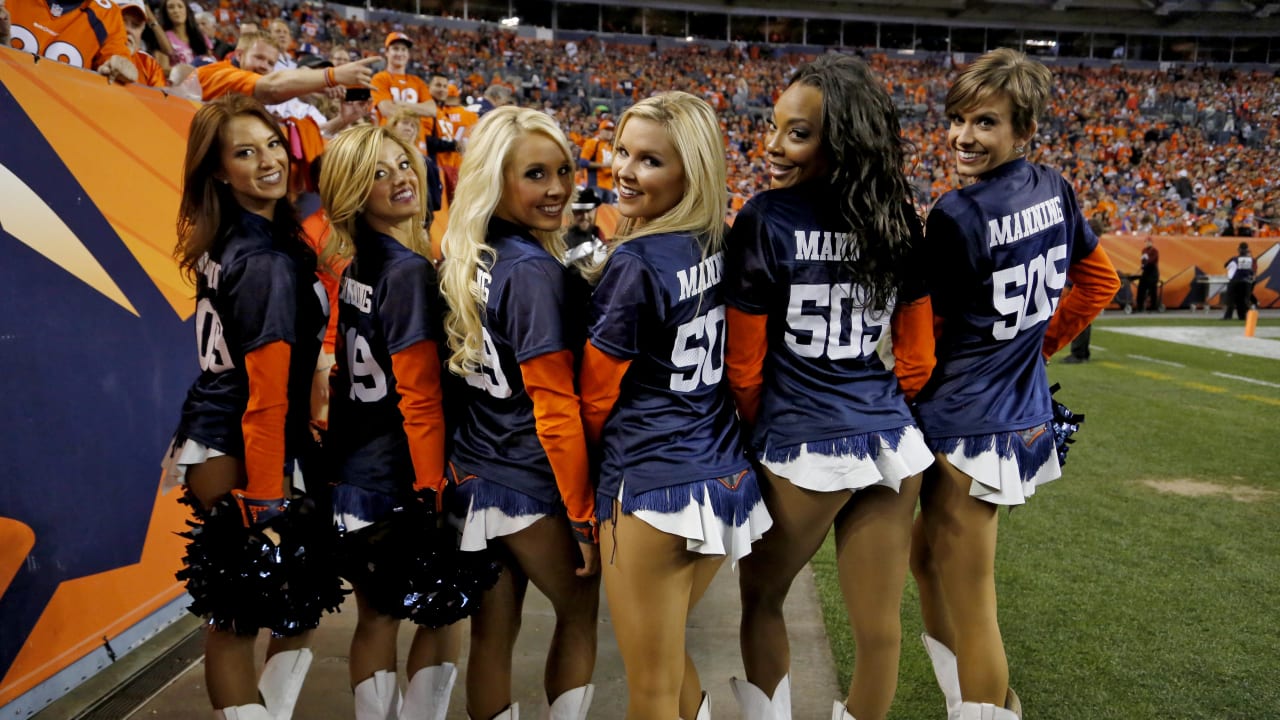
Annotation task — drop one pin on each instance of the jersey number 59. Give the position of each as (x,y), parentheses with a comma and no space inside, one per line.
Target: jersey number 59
(1021,293)
(852,331)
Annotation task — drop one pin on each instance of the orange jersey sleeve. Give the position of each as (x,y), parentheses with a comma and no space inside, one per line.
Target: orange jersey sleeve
(149,70)
(549,381)
(417,371)
(1094,284)
(220,78)
(745,348)
(913,345)
(315,228)
(601,381)
(263,421)
(83,36)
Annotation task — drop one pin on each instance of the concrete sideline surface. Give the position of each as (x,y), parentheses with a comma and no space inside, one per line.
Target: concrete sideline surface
(712,641)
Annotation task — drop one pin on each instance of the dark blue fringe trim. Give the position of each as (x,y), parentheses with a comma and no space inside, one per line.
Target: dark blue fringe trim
(478,494)
(732,498)
(864,446)
(362,503)
(1031,448)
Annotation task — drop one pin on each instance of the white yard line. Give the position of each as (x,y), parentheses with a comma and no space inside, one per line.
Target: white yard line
(1170,363)
(1242,378)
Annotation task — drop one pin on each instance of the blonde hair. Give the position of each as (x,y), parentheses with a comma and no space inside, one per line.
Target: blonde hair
(692,126)
(347,171)
(248,39)
(1004,72)
(481,181)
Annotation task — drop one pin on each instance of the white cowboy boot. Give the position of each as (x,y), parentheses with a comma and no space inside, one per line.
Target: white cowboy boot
(427,697)
(243,712)
(572,704)
(378,698)
(1012,709)
(281,681)
(511,713)
(704,709)
(756,705)
(840,712)
(946,671)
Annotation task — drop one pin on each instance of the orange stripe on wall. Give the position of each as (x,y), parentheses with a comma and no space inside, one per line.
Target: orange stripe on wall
(1181,255)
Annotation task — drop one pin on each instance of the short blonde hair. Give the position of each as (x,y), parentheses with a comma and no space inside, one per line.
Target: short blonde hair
(249,38)
(476,198)
(1004,72)
(347,171)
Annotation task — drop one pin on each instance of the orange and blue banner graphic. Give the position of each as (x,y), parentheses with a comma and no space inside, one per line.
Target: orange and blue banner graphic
(97,351)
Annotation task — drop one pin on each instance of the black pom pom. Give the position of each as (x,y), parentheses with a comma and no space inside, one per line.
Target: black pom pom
(312,585)
(241,581)
(1065,424)
(231,572)
(409,567)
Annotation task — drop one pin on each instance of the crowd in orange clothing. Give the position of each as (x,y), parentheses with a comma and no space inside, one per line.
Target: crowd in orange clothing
(1178,151)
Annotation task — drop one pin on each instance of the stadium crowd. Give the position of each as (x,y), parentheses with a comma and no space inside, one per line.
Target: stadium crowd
(1176,151)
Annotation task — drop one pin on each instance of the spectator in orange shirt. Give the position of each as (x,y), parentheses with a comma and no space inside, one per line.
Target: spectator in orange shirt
(94,38)
(395,89)
(134,13)
(597,158)
(257,54)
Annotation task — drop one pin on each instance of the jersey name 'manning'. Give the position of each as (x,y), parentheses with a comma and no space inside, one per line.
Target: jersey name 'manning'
(658,304)
(998,253)
(823,378)
(1025,222)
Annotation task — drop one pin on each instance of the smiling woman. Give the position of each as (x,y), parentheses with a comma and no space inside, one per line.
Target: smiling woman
(260,319)
(518,458)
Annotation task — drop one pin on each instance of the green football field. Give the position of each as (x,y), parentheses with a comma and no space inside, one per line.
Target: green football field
(1145,583)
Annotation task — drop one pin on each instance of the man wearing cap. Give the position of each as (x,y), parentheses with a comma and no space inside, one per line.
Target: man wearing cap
(442,144)
(395,89)
(135,13)
(1239,282)
(584,240)
(82,33)
(597,159)
(461,117)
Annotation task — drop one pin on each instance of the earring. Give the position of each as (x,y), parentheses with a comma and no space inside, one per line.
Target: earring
(1019,149)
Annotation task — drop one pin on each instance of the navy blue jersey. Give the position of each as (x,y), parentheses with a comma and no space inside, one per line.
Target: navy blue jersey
(998,254)
(525,316)
(253,290)
(659,304)
(822,376)
(387,302)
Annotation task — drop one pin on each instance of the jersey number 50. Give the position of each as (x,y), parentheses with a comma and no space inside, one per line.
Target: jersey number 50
(704,360)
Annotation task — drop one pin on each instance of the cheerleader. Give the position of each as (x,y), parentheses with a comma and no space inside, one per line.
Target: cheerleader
(260,316)
(387,431)
(1000,251)
(821,268)
(518,457)
(676,488)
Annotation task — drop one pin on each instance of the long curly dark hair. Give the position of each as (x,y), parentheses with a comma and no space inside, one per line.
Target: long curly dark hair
(864,144)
